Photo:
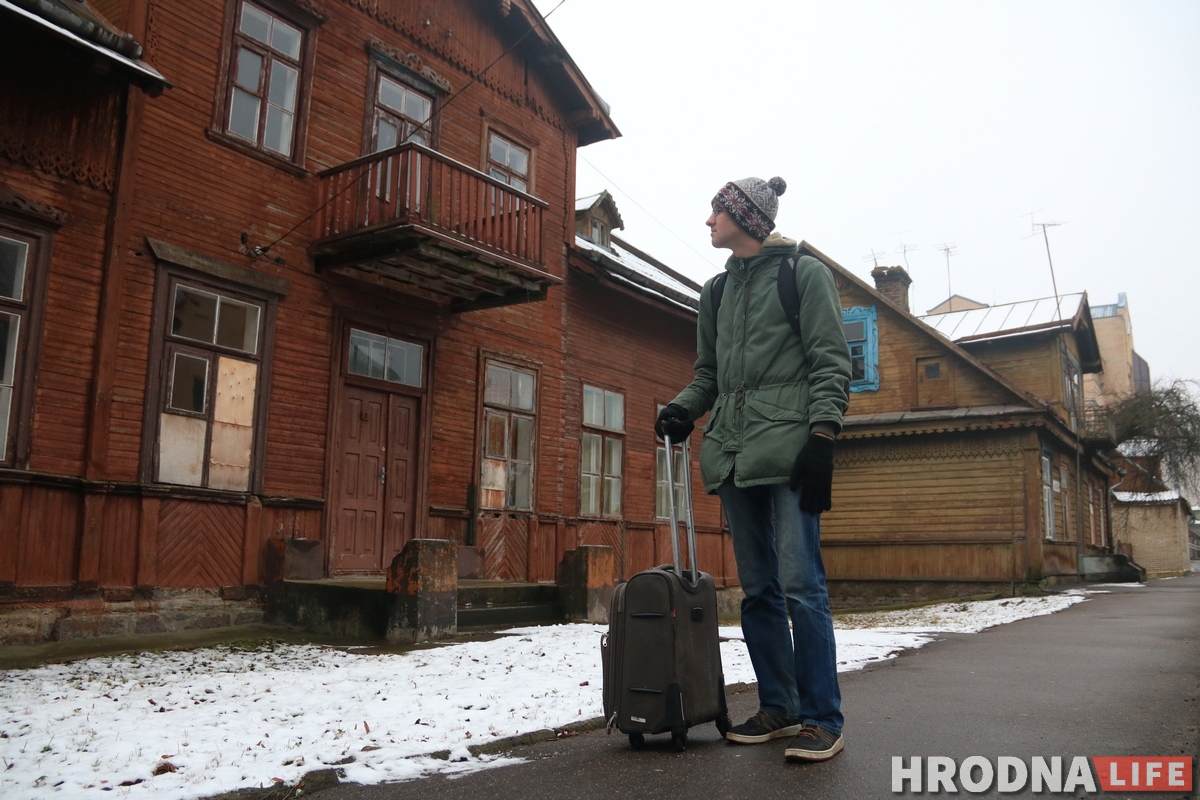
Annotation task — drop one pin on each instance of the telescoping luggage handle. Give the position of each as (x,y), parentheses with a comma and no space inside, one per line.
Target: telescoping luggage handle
(694,580)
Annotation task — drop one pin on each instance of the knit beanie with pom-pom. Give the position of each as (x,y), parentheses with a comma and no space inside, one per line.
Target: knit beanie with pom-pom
(752,202)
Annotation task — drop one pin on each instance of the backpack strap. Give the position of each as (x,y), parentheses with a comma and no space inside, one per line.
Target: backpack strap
(789,295)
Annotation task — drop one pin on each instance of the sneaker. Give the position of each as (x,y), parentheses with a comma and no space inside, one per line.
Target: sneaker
(814,743)
(762,727)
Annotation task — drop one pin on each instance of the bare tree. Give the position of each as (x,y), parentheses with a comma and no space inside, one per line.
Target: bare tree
(1167,420)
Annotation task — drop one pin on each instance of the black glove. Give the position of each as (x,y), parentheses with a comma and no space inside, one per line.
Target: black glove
(812,474)
(673,421)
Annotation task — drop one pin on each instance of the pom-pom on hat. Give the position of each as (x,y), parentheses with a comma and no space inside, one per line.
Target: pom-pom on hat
(753,203)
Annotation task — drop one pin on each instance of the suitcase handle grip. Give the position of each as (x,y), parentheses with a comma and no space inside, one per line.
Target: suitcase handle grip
(692,576)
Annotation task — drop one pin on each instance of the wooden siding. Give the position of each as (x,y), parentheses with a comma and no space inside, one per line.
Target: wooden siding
(910,507)
(901,344)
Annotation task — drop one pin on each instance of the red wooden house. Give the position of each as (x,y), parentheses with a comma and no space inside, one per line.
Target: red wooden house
(315,291)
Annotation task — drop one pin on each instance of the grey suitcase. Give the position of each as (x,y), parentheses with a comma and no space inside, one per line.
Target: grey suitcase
(662,653)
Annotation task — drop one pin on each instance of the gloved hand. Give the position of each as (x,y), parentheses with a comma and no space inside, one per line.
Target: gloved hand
(673,421)
(812,474)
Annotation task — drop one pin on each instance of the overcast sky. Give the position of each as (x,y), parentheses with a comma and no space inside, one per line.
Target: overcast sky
(918,124)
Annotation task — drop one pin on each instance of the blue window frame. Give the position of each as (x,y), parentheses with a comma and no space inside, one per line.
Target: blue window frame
(862,335)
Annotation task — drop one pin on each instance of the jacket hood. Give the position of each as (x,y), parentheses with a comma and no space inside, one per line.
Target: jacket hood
(777,239)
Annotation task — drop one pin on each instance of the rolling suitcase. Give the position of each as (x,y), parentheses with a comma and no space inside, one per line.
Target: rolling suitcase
(662,655)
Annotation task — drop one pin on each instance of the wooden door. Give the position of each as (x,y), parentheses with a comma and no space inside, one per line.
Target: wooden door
(377,481)
(400,486)
(358,522)
(934,387)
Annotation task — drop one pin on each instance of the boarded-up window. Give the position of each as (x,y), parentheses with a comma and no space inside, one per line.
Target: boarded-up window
(601,460)
(506,479)
(211,377)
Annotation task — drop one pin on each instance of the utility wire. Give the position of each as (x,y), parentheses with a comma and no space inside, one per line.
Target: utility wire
(703,257)
(260,251)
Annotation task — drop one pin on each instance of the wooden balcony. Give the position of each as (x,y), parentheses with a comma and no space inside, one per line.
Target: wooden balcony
(412,220)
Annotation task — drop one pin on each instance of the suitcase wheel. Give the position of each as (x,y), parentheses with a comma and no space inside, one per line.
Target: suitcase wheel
(724,724)
(637,741)
(679,739)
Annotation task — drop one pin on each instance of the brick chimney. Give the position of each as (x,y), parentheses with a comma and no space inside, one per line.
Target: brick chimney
(893,283)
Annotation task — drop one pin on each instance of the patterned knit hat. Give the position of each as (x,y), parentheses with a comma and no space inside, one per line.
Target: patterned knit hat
(752,202)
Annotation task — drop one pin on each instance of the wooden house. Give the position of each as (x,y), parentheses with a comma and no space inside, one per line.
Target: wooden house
(963,466)
(313,291)
(631,340)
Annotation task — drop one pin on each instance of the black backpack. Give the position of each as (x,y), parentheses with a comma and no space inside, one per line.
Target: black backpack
(789,295)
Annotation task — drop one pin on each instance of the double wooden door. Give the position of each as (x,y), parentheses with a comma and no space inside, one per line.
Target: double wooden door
(376,481)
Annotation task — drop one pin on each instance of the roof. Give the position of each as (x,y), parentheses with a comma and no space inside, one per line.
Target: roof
(80,25)
(992,322)
(631,267)
(1065,312)
(587,113)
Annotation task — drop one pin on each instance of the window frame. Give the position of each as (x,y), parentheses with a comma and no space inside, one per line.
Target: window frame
(221,279)
(869,316)
(493,128)
(512,414)
(380,66)
(1049,510)
(606,434)
(38,235)
(307,23)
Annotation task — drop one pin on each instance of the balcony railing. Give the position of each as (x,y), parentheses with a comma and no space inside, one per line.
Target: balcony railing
(411,185)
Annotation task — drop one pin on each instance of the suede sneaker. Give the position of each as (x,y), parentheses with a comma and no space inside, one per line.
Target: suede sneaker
(814,743)
(762,727)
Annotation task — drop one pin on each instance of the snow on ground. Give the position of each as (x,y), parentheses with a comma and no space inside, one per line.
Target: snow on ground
(221,718)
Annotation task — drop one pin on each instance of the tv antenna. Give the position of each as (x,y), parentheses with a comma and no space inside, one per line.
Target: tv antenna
(904,248)
(873,257)
(950,249)
(1046,238)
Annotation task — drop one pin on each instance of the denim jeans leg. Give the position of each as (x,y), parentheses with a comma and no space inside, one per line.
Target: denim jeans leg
(802,572)
(764,611)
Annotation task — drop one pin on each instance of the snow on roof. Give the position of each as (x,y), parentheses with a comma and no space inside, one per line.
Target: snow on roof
(1006,320)
(643,275)
(1148,497)
(584,203)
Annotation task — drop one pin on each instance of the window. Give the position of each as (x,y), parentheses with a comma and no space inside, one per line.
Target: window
(262,102)
(661,499)
(601,453)
(1068,533)
(1072,389)
(862,337)
(1048,494)
(386,359)
(16,263)
(508,429)
(508,162)
(211,377)
(401,114)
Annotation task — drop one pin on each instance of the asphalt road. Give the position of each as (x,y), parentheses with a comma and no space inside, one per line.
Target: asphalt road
(1117,675)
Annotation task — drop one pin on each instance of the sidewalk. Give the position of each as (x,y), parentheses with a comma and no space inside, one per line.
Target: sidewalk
(1117,675)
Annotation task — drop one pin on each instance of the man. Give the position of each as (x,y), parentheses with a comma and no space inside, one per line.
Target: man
(777,398)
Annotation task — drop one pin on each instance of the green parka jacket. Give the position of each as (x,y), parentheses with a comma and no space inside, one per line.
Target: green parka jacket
(767,388)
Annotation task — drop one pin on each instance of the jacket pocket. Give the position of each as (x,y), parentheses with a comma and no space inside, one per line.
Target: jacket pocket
(784,402)
(713,416)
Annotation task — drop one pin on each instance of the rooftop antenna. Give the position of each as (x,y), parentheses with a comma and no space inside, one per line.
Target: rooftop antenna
(950,249)
(1046,238)
(873,257)
(904,248)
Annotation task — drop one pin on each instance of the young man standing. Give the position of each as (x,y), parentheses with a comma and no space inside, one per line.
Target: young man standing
(777,398)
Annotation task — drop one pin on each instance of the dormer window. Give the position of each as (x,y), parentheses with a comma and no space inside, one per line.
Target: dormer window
(599,233)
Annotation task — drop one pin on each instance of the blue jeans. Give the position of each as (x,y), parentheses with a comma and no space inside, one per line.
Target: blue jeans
(778,553)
